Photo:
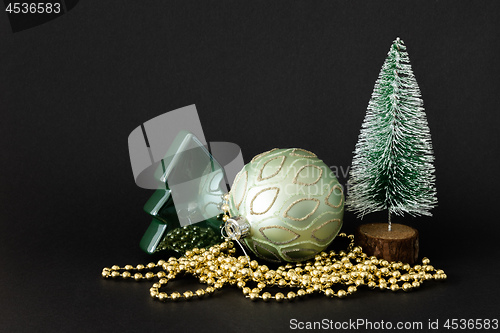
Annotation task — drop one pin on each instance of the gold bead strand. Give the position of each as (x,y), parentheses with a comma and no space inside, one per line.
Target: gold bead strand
(217,266)
(225,207)
(193,262)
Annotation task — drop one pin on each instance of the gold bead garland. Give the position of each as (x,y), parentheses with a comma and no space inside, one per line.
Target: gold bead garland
(217,267)
(332,274)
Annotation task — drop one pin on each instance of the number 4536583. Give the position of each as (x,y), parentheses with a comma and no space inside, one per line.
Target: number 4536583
(471,324)
(33,8)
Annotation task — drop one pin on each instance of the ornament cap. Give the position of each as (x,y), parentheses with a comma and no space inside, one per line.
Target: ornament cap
(237,228)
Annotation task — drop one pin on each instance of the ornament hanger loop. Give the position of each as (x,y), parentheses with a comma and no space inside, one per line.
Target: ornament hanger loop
(230,236)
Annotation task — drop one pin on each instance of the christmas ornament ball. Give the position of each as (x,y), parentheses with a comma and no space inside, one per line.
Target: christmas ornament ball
(292,201)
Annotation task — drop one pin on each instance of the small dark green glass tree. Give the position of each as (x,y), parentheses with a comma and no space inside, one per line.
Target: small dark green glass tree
(392,167)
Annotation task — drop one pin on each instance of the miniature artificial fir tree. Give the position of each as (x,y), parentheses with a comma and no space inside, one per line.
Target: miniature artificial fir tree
(392,167)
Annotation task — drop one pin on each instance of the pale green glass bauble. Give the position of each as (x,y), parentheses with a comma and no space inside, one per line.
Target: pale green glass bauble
(292,201)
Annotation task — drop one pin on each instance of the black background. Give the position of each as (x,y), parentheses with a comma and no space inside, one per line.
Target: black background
(262,74)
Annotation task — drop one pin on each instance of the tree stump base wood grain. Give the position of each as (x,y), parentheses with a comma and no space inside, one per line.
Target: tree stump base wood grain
(399,244)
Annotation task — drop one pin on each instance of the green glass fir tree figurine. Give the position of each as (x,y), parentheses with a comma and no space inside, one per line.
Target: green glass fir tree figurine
(392,167)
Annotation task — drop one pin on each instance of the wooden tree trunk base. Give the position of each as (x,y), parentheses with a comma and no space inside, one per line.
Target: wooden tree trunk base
(400,244)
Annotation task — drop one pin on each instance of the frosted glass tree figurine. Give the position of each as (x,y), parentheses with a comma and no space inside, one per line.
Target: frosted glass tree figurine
(392,167)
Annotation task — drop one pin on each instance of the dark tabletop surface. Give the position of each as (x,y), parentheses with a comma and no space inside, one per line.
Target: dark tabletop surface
(262,74)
